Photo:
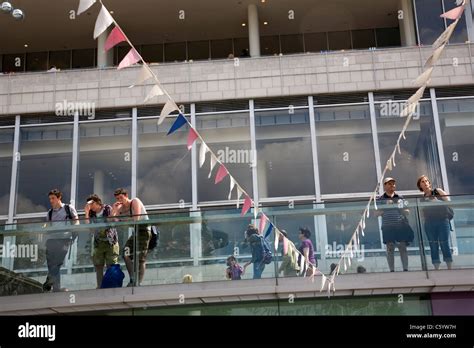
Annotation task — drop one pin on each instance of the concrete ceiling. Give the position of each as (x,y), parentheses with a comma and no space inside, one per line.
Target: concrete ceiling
(48,27)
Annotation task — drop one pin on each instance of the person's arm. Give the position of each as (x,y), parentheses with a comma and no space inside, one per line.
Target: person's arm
(442,194)
(87,210)
(136,208)
(306,253)
(75,216)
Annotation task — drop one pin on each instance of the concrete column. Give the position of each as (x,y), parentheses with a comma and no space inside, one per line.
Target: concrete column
(254,32)
(407,23)
(104,59)
(99,183)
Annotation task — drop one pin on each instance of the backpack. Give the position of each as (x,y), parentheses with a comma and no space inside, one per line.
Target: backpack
(113,277)
(267,253)
(448,211)
(155,233)
(68,215)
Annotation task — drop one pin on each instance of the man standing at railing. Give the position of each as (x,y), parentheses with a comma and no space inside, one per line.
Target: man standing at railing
(396,231)
(58,243)
(125,206)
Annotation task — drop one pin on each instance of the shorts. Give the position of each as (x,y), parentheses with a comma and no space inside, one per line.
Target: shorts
(104,253)
(144,236)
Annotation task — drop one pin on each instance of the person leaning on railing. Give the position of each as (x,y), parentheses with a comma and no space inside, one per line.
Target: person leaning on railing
(436,222)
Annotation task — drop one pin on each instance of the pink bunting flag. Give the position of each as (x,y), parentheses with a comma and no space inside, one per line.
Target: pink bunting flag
(285,245)
(116,36)
(454,14)
(263,222)
(221,174)
(192,136)
(247,205)
(131,58)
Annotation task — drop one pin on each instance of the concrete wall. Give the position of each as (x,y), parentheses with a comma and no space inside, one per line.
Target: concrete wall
(303,74)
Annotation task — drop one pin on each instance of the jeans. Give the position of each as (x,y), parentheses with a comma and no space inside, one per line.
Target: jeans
(56,250)
(258,267)
(402,247)
(437,232)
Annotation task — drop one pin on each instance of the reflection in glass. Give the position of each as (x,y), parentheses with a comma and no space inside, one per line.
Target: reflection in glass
(6,150)
(46,161)
(285,165)
(345,147)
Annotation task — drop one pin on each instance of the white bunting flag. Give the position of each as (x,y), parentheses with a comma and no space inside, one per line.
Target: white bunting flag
(239,194)
(444,37)
(323,282)
(104,20)
(202,154)
(155,91)
(277,238)
(389,164)
(169,107)
(143,76)
(424,78)
(431,61)
(375,201)
(232,184)
(345,265)
(393,160)
(84,5)
(213,164)
(302,264)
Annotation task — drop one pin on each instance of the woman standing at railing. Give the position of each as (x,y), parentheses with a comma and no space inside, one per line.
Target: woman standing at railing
(436,222)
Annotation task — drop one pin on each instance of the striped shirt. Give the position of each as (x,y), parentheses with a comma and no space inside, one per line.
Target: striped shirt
(392,215)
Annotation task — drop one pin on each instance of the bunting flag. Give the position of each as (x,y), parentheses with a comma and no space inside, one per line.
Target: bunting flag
(131,58)
(178,123)
(115,37)
(202,154)
(247,205)
(323,282)
(424,78)
(84,5)
(454,14)
(169,107)
(239,194)
(375,202)
(444,37)
(389,164)
(192,136)
(222,172)
(143,76)
(269,230)
(345,265)
(431,61)
(393,160)
(263,222)
(104,20)
(213,164)
(277,238)
(398,147)
(286,245)
(155,91)
(302,264)
(232,184)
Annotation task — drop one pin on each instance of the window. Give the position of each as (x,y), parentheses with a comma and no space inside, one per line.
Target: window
(222,49)
(37,61)
(388,37)
(460,33)
(430,25)
(198,50)
(269,45)
(345,149)
(83,58)
(363,38)
(164,163)
(60,59)
(457,128)
(291,43)
(285,165)
(152,53)
(104,159)
(46,162)
(13,63)
(175,52)
(316,42)
(6,150)
(419,154)
(228,136)
(241,47)
(339,40)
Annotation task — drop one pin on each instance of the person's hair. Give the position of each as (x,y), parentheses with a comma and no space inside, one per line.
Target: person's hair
(120,191)
(55,192)
(361,269)
(231,258)
(418,182)
(333,267)
(94,198)
(251,229)
(305,231)
(188,278)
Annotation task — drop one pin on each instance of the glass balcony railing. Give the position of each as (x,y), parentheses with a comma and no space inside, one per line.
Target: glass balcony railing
(194,246)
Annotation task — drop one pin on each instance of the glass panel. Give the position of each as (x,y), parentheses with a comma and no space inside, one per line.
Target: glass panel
(37,61)
(316,42)
(388,37)
(419,153)
(269,45)
(175,52)
(285,166)
(229,138)
(122,52)
(104,159)
(83,58)
(152,53)
(241,47)
(164,163)
(198,50)
(460,33)
(60,59)
(221,48)
(345,146)
(13,62)
(339,40)
(291,43)
(363,38)
(430,25)
(6,150)
(46,160)
(457,127)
